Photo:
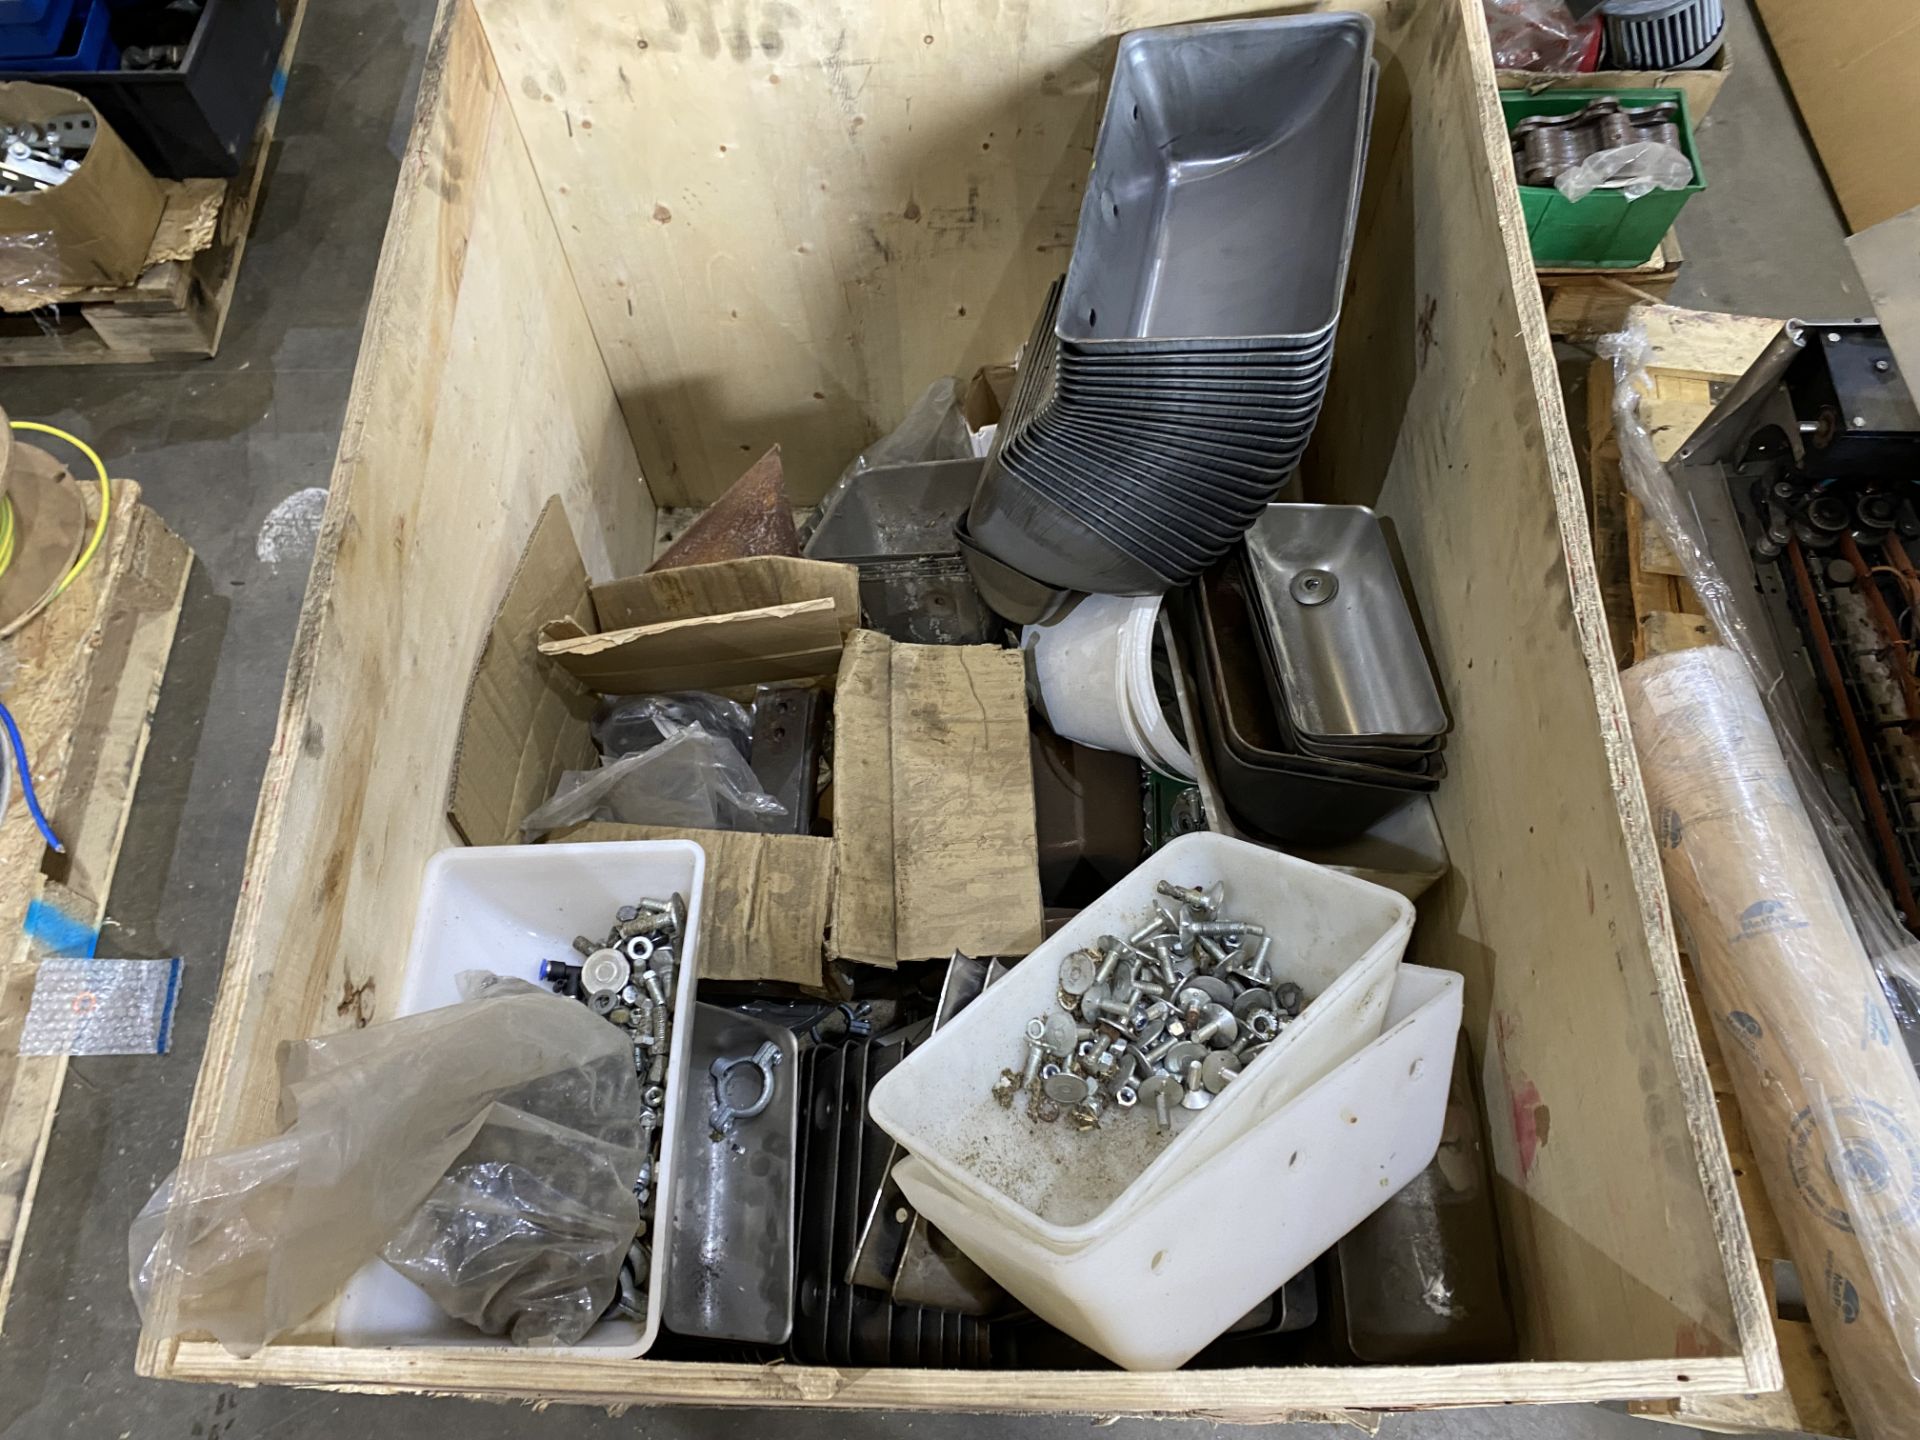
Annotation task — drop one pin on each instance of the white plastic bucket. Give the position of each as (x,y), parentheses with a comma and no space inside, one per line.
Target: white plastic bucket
(1337,937)
(1150,1291)
(1093,669)
(505,908)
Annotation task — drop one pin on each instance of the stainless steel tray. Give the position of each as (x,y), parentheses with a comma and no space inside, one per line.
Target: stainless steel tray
(1225,184)
(1349,659)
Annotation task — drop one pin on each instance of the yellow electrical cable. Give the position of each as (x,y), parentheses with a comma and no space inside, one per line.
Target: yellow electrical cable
(6,533)
(106,498)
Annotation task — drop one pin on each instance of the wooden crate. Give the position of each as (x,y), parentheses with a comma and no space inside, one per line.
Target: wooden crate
(1582,303)
(1652,610)
(177,309)
(81,680)
(621,247)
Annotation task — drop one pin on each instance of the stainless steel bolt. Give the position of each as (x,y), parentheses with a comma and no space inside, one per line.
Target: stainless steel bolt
(1036,1035)
(1219,1022)
(1162,1092)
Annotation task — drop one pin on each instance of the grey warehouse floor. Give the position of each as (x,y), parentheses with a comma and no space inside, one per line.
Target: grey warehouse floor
(218,446)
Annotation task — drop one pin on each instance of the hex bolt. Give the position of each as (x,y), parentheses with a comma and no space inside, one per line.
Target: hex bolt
(654,990)
(1193,896)
(1036,1036)
(1154,1055)
(1154,927)
(627,913)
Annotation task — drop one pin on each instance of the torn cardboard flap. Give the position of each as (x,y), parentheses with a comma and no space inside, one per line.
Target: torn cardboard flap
(766,905)
(936,846)
(799,641)
(525,720)
(727,586)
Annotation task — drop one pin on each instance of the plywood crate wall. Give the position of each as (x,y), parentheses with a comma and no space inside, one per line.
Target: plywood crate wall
(645,240)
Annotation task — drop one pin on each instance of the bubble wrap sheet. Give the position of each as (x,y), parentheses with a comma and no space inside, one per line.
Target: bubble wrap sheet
(102,1007)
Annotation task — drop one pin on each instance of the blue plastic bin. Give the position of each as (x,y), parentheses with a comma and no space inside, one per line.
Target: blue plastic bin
(30,29)
(82,46)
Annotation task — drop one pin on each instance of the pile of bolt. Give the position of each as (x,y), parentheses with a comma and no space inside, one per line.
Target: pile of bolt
(1546,146)
(1165,1018)
(37,157)
(628,978)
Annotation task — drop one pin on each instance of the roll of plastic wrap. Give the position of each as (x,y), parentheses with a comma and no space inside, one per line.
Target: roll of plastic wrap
(1831,1102)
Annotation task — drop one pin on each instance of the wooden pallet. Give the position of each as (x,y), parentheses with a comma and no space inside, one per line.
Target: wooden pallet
(1593,302)
(177,309)
(1651,610)
(81,680)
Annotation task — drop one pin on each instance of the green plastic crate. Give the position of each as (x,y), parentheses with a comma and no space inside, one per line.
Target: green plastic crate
(1605,230)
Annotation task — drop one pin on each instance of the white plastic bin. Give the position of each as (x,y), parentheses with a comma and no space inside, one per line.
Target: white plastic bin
(1093,670)
(505,908)
(1153,1290)
(1339,938)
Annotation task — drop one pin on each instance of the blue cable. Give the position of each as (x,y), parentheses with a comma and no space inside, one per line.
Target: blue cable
(26,781)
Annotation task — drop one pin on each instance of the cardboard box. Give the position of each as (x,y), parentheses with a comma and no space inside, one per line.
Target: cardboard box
(934,842)
(1851,70)
(97,227)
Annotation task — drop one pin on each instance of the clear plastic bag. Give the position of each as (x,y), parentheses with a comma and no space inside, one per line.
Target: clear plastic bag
(691,780)
(245,1244)
(29,270)
(1796,946)
(1635,170)
(629,724)
(1541,35)
(934,429)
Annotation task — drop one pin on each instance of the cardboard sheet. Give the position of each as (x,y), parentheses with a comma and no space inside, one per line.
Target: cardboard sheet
(933,803)
(863,924)
(766,900)
(1851,68)
(525,720)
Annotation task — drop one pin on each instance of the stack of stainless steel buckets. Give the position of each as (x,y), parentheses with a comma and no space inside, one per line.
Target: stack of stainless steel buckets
(1319,710)
(1174,377)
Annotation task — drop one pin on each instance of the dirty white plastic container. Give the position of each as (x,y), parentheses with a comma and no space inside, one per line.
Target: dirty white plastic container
(1339,938)
(505,908)
(1093,670)
(1151,1291)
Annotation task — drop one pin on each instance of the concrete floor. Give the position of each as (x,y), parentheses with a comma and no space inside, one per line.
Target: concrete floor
(218,445)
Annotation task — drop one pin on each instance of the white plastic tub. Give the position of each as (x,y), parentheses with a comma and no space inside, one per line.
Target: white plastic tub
(1093,670)
(505,908)
(1151,1292)
(1339,938)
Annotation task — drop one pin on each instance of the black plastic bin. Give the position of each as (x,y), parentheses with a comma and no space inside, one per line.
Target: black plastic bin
(199,119)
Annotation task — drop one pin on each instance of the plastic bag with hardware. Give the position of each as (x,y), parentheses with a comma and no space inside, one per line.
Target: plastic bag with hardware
(691,779)
(1634,170)
(628,724)
(382,1129)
